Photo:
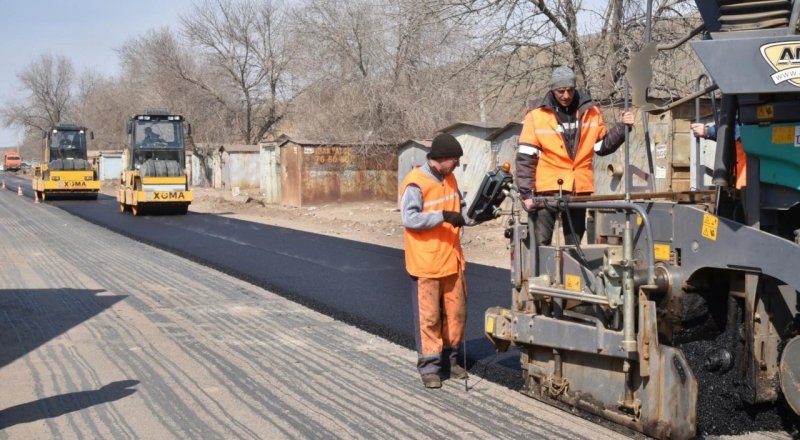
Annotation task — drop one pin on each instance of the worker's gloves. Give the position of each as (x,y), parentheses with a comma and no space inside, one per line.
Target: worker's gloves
(535,204)
(454,218)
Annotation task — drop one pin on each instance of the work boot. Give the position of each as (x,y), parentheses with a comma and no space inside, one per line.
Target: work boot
(431,380)
(457,372)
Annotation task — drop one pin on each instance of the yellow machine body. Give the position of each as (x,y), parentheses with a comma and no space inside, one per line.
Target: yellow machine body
(65,171)
(154,178)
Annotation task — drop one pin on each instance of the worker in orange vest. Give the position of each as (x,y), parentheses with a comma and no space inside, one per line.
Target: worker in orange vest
(433,212)
(559,139)
(710,132)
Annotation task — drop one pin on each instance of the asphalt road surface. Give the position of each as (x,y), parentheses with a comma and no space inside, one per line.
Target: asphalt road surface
(354,282)
(360,283)
(105,337)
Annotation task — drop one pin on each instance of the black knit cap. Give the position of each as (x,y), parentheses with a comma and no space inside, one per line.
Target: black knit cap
(445,145)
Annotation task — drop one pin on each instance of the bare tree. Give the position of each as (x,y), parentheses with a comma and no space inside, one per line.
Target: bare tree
(102,105)
(379,71)
(242,42)
(520,41)
(48,82)
(156,72)
(342,35)
(360,70)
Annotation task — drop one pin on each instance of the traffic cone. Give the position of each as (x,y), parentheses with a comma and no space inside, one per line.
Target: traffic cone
(19,190)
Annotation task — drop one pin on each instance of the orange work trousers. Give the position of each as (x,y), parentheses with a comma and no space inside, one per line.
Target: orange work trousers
(440,314)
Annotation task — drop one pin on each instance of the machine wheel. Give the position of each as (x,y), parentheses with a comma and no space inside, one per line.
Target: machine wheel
(790,374)
(182,209)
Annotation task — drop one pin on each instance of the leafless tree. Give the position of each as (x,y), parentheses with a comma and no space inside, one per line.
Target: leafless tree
(366,71)
(103,104)
(48,82)
(241,40)
(344,36)
(160,71)
(521,41)
(379,71)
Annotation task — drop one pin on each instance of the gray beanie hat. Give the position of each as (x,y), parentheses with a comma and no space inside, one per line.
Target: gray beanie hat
(563,76)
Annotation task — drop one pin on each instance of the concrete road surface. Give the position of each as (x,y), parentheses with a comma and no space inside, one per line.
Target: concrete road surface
(104,337)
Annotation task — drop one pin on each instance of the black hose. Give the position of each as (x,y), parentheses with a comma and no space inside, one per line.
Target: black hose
(563,203)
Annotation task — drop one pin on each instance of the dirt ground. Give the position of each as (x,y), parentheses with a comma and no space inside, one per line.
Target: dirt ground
(371,222)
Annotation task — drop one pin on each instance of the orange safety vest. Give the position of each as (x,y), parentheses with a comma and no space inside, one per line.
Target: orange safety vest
(541,129)
(741,166)
(435,252)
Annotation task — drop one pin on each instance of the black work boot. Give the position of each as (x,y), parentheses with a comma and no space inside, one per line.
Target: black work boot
(431,380)
(457,372)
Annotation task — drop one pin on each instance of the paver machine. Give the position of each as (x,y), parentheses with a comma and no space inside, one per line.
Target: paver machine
(65,170)
(154,179)
(679,306)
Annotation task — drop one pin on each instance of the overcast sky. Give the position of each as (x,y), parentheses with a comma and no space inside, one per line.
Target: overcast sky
(84,31)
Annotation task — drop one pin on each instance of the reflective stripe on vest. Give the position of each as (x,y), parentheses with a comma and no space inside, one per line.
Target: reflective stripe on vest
(435,252)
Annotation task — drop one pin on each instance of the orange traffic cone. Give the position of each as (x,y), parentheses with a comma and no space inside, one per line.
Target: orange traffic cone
(19,190)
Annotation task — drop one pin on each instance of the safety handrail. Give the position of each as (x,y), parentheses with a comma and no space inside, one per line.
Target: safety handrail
(553,203)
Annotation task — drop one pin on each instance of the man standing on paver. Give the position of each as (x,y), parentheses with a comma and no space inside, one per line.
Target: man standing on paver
(559,139)
(431,209)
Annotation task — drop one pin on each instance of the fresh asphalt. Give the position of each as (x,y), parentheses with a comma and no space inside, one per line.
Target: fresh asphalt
(359,283)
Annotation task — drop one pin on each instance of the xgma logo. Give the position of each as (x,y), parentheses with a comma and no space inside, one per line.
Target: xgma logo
(169,196)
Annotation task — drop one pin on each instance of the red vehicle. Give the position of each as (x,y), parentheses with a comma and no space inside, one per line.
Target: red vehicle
(12,161)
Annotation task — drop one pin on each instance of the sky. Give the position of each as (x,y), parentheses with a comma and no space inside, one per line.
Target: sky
(86,32)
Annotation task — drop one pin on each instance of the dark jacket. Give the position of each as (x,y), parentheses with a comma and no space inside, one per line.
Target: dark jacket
(526,163)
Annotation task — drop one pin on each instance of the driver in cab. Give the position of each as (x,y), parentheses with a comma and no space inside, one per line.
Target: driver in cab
(151,137)
(67,141)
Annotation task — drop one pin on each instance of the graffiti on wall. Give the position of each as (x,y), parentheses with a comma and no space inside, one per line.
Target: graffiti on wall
(331,158)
